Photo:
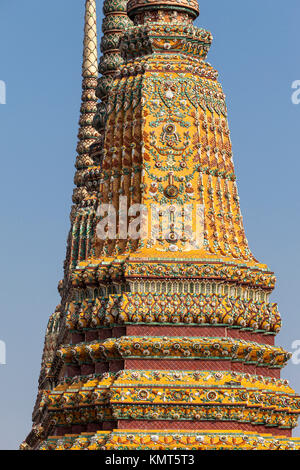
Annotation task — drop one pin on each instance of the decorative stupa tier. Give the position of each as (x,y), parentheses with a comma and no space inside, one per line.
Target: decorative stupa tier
(168,338)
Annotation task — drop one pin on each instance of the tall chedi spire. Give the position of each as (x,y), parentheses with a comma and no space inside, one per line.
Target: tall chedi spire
(169,337)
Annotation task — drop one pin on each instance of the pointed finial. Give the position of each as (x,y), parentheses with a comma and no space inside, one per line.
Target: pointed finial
(90,55)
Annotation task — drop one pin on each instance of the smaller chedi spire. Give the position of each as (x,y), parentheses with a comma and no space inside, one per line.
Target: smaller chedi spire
(87,134)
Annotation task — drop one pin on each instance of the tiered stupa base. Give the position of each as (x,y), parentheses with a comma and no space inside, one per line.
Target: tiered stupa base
(168,440)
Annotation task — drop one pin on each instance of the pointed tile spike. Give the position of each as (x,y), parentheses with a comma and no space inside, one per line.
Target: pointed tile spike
(90,54)
(87,134)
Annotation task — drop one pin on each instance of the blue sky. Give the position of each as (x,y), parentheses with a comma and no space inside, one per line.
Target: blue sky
(255,49)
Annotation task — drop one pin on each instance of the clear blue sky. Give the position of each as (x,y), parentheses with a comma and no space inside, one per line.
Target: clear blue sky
(255,49)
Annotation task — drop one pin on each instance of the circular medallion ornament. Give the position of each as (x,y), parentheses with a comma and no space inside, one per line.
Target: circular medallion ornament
(211,395)
(169,129)
(171,191)
(172,237)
